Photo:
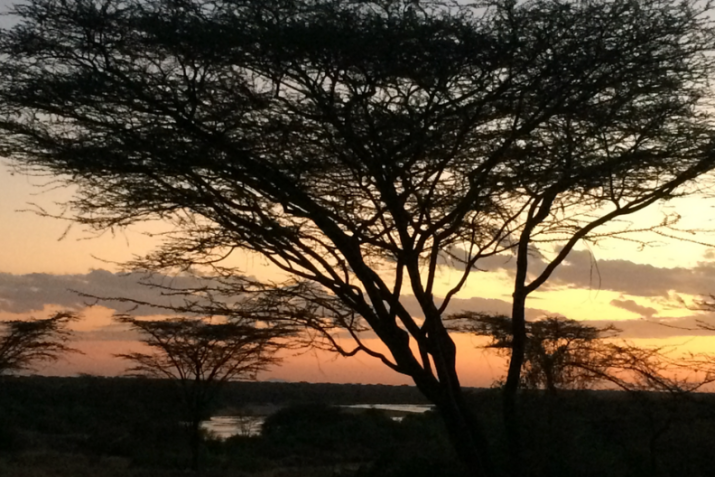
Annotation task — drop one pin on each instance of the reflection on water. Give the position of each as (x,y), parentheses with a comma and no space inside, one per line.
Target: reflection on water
(224,427)
(397,409)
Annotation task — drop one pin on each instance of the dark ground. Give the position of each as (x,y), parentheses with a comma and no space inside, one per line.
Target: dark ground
(91,426)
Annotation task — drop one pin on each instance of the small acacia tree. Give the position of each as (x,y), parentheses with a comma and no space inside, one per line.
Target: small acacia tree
(354,143)
(200,356)
(559,353)
(24,343)
(567,354)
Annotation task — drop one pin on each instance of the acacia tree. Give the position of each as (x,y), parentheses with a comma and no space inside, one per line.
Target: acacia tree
(200,356)
(23,343)
(355,143)
(559,353)
(567,354)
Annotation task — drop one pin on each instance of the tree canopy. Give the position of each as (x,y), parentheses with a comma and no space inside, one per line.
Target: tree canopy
(25,343)
(560,353)
(193,350)
(355,144)
(567,354)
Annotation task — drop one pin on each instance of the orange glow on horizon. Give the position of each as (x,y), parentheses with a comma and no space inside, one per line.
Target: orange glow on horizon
(29,244)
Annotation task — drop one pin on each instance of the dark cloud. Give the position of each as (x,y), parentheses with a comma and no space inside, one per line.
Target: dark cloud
(456,305)
(644,328)
(632,306)
(30,293)
(504,261)
(655,328)
(113,332)
(581,270)
(685,327)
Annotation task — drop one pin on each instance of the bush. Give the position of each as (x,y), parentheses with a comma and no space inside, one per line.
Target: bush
(330,428)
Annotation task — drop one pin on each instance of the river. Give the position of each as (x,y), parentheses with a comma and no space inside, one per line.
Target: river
(224,427)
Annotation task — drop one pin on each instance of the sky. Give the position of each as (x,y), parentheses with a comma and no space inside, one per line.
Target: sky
(43,263)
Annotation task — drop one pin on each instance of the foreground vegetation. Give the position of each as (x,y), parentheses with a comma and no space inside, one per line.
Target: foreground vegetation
(111,427)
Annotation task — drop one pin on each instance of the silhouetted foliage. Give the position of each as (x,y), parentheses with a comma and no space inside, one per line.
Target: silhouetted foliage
(559,353)
(25,343)
(201,356)
(356,144)
(327,434)
(568,354)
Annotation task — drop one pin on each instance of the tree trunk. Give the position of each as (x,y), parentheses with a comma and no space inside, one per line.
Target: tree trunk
(467,439)
(511,387)
(196,405)
(195,442)
(465,432)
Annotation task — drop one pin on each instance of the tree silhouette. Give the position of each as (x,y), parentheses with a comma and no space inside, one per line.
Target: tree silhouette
(567,354)
(559,353)
(200,356)
(356,144)
(24,343)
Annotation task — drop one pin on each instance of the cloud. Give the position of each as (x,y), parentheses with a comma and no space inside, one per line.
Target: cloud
(456,305)
(23,294)
(581,270)
(659,328)
(112,332)
(30,293)
(646,327)
(632,306)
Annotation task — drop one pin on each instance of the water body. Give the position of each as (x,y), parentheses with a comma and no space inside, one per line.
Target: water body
(224,427)
(397,409)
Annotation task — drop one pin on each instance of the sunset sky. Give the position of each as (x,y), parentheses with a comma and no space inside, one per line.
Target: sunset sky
(621,281)
(613,281)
